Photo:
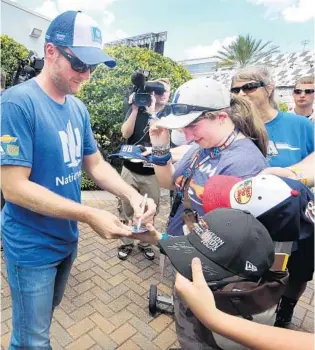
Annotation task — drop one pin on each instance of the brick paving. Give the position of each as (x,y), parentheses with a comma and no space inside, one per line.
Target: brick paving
(106,301)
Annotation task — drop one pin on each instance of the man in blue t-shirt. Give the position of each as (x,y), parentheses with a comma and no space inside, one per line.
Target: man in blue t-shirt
(46,139)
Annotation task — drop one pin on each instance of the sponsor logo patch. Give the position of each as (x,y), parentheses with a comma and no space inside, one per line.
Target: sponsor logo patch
(8,139)
(243,192)
(13,150)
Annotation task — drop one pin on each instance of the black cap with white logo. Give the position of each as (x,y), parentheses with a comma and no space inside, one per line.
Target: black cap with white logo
(229,242)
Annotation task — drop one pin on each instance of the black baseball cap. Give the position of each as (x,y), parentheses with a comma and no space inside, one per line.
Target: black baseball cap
(229,242)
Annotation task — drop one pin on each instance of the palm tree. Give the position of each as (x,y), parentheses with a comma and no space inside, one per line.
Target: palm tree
(243,51)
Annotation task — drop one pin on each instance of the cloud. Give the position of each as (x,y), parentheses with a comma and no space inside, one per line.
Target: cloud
(200,51)
(109,18)
(84,5)
(48,9)
(291,10)
(97,9)
(300,13)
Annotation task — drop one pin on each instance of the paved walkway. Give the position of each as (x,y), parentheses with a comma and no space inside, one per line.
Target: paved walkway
(105,304)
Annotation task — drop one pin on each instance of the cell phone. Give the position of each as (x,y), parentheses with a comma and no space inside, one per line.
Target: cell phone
(135,229)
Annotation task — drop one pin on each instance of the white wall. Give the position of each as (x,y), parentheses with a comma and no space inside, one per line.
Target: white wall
(18,23)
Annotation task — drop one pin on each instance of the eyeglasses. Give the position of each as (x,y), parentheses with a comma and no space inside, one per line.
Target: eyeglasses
(76,64)
(306,91)
(248,88)
(182,109)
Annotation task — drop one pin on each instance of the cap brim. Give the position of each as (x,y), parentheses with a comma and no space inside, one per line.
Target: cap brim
(177,122)
(180,252)
(134,157)
(93,55)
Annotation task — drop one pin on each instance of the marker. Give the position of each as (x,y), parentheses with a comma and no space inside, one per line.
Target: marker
(144,202)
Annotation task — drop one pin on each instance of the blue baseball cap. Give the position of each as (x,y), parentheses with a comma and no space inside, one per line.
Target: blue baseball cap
(80,33)
(132,153)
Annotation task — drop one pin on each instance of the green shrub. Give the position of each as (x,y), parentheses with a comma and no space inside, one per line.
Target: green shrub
(11,50)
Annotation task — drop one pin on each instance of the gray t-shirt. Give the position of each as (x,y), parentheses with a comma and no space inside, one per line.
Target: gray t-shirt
(241,159)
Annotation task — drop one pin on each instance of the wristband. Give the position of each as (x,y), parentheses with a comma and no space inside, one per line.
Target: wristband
(164,235)
(161,161)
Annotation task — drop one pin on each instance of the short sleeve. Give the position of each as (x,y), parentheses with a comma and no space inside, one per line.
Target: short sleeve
(128,114)
(90,146)
(309,133)
(16,136)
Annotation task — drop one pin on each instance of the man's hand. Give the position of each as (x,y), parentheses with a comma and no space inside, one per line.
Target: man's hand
(283,172)
(196,294)
(130,101)
(151,108)
(150,210)
(152,236)
(107,225)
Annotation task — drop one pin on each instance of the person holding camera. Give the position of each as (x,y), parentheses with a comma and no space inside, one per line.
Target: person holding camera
(135,130)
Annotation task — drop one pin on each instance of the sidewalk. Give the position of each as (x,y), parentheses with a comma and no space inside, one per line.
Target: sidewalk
(106,305)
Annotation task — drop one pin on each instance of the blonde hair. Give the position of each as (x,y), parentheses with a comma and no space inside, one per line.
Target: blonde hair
(162,80)
(258,73)
(247,120)
(309,79)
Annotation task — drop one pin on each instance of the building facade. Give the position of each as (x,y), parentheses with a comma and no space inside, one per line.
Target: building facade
(286,69)
(25,26)
(200,67)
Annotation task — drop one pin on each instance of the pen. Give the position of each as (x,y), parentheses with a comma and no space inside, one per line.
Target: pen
(144,202)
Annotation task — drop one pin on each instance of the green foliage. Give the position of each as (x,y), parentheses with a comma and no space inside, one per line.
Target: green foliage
(87,184)
(104,94)
(243,51)
(10,51)
(283,107)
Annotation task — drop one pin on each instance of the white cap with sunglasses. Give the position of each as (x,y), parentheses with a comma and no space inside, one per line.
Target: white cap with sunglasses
(80,33)
(192,99)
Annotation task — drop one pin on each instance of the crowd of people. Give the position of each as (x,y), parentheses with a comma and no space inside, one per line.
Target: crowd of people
(207,131)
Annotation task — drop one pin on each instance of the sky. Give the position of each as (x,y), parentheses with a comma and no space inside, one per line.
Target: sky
(196,28)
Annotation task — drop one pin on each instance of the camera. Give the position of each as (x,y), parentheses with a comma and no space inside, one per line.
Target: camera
(27,68)
(144,89)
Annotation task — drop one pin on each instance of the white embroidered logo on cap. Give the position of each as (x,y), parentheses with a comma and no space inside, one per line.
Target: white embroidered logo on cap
(211,240)
(250,267)
(127,149)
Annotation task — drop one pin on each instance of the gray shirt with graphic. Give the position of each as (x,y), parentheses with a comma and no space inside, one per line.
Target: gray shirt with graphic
(241,159)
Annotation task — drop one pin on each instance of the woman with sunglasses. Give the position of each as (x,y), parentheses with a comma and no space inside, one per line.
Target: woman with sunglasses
(229,138)
(290,154)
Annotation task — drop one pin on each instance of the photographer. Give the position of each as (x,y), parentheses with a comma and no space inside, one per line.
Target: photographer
(141,176)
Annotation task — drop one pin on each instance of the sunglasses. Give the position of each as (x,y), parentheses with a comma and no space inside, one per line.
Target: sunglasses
(248,88)
(182,109)
(306,91)
(76,64)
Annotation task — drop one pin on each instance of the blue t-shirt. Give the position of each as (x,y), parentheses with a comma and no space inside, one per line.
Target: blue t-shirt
(241,159)
(51,139)
(291,139)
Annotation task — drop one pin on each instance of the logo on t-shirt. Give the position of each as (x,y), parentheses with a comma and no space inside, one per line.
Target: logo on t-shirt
(71,145)
(272,149)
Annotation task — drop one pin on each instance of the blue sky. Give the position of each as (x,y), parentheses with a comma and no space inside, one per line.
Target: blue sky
(196,28)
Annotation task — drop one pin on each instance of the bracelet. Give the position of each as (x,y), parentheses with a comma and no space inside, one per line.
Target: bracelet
(164,235)
(161,150)
(299,174)
(161,160)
